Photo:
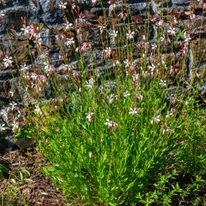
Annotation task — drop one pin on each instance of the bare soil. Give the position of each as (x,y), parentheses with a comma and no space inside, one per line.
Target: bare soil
(35,189)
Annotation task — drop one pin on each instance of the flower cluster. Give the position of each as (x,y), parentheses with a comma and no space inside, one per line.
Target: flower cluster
(111,124)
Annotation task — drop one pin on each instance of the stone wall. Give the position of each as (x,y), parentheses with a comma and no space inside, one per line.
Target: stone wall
(189,14)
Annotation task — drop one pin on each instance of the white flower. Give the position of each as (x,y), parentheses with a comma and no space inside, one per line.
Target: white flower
(13,104)
(152,68)
(111,8)
(19,114)
(113,34)
(163,83)
(127,63)
(11,92)
(15,125)
(155,118)
(64,67)
(62,5)
(2,127)
(38,110)
(135,77)
(1,15)
(172,31)
(174,20)
(109,123)
(3,112)
(33,76)
(154,46)
(68,25)
(130,35)
(26,29)
(167,129)
(24,67)
(70,41)
(90,83)
(38,40)
(111,98)
(162,38)
(126,94)
(89,116)
(48,67)
(133,111)
(90,154)
(108,51)
(187,37)
(168,114)
(139,96)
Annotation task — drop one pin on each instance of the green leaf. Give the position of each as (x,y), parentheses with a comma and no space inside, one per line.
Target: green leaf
(2,169)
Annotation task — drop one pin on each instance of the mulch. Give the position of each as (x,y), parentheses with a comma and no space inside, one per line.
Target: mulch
(35,188)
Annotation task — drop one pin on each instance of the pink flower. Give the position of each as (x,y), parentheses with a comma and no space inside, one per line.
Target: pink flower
(183,50)
(48,67)
(90,116)
(76,74)
(192,16)
(102,28)
(1,53)
(7,61)
(2,16)
(115,63)
(108,50)
(112,6)
(123,15)
(161,22)
(83,47)
(59,36)
(94,2)
(111,124)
